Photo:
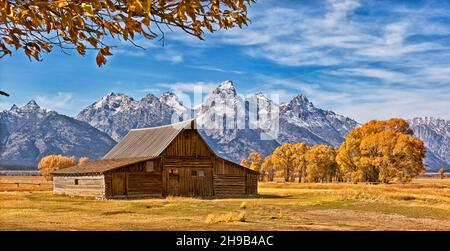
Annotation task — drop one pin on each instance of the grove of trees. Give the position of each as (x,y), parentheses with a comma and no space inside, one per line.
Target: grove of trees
(378,151)
(51,163)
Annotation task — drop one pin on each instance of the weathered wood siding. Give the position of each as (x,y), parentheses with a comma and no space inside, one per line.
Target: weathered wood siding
(79,185)
(137,180)
(188,143)
(181,177)
(232,180)
(252,184)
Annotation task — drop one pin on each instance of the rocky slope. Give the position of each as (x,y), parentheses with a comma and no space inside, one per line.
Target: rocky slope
(436,135)
(28,133)
(253,123)
(116,113)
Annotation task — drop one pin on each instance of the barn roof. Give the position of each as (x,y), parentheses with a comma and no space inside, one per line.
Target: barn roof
(148,142)
(99,166)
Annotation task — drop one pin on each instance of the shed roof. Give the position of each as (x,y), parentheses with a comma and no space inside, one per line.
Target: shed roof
(99,166)
(148,142)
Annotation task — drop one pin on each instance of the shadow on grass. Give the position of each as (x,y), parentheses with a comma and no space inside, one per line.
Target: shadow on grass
(273,196)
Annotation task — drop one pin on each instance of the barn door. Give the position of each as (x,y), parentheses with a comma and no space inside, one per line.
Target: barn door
(173,183)
(119,184)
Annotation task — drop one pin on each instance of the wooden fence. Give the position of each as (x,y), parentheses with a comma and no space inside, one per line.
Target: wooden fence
(19,173)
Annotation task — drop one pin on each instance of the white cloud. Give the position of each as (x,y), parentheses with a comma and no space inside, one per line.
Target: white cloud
(170,56)
(62,102)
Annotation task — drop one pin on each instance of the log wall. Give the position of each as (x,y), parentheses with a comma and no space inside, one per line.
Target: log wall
(139,182)
(232,180)
(79,185)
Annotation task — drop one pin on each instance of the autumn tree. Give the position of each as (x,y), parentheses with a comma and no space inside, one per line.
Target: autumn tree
(54,162)
(381,151)
(37,27)
(299,151)
(283,161)
(321,164)
(254,162)
(442,173)
(268,168)
(83,160)
(245,162)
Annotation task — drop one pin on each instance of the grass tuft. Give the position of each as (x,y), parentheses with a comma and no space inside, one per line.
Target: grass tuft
(226,218)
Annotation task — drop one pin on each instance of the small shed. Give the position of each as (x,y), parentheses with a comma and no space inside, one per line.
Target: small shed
(171,160)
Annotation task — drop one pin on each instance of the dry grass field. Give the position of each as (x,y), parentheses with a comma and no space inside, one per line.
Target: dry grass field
(421,205)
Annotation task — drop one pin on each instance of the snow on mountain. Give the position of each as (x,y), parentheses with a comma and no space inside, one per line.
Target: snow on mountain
(116,113)
(436,135)
(28,133)
(252,121)
(300,120)
(233,125)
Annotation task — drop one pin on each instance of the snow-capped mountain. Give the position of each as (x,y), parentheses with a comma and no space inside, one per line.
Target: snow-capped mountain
(232,125)
(300,120)
(116,113)
(436,135)
(28,133)
(255,119)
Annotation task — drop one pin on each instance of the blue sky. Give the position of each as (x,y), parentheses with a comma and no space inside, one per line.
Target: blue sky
(363,59)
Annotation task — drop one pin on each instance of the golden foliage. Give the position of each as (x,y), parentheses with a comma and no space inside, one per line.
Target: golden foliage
(378,151)
(254,162)
(54,162)
(321,164)
(283,161)
(381,151)
(38,26)
(83,160)
(245,162)
(300,161)
(268,169)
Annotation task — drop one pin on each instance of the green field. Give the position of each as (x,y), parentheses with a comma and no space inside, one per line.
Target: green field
(421,205)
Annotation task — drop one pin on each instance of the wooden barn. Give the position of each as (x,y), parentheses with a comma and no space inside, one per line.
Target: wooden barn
(172,160)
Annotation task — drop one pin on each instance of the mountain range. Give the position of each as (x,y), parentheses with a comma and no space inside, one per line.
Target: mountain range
(232,125)
(30,132)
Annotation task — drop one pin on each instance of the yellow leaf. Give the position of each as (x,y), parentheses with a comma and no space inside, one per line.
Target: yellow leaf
(88,9)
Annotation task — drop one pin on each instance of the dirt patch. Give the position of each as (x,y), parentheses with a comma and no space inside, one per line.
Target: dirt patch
(116,212)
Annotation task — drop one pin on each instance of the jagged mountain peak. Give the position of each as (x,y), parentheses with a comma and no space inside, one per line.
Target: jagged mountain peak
(31,106)
(260,95)
(14,108)
(301,100)
(29,133)
(226,87)
(169,96)
(171,99)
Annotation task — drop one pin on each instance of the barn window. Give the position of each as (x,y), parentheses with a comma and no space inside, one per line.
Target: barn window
(173,171)
(76,181)
(198,173)
(149,167)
